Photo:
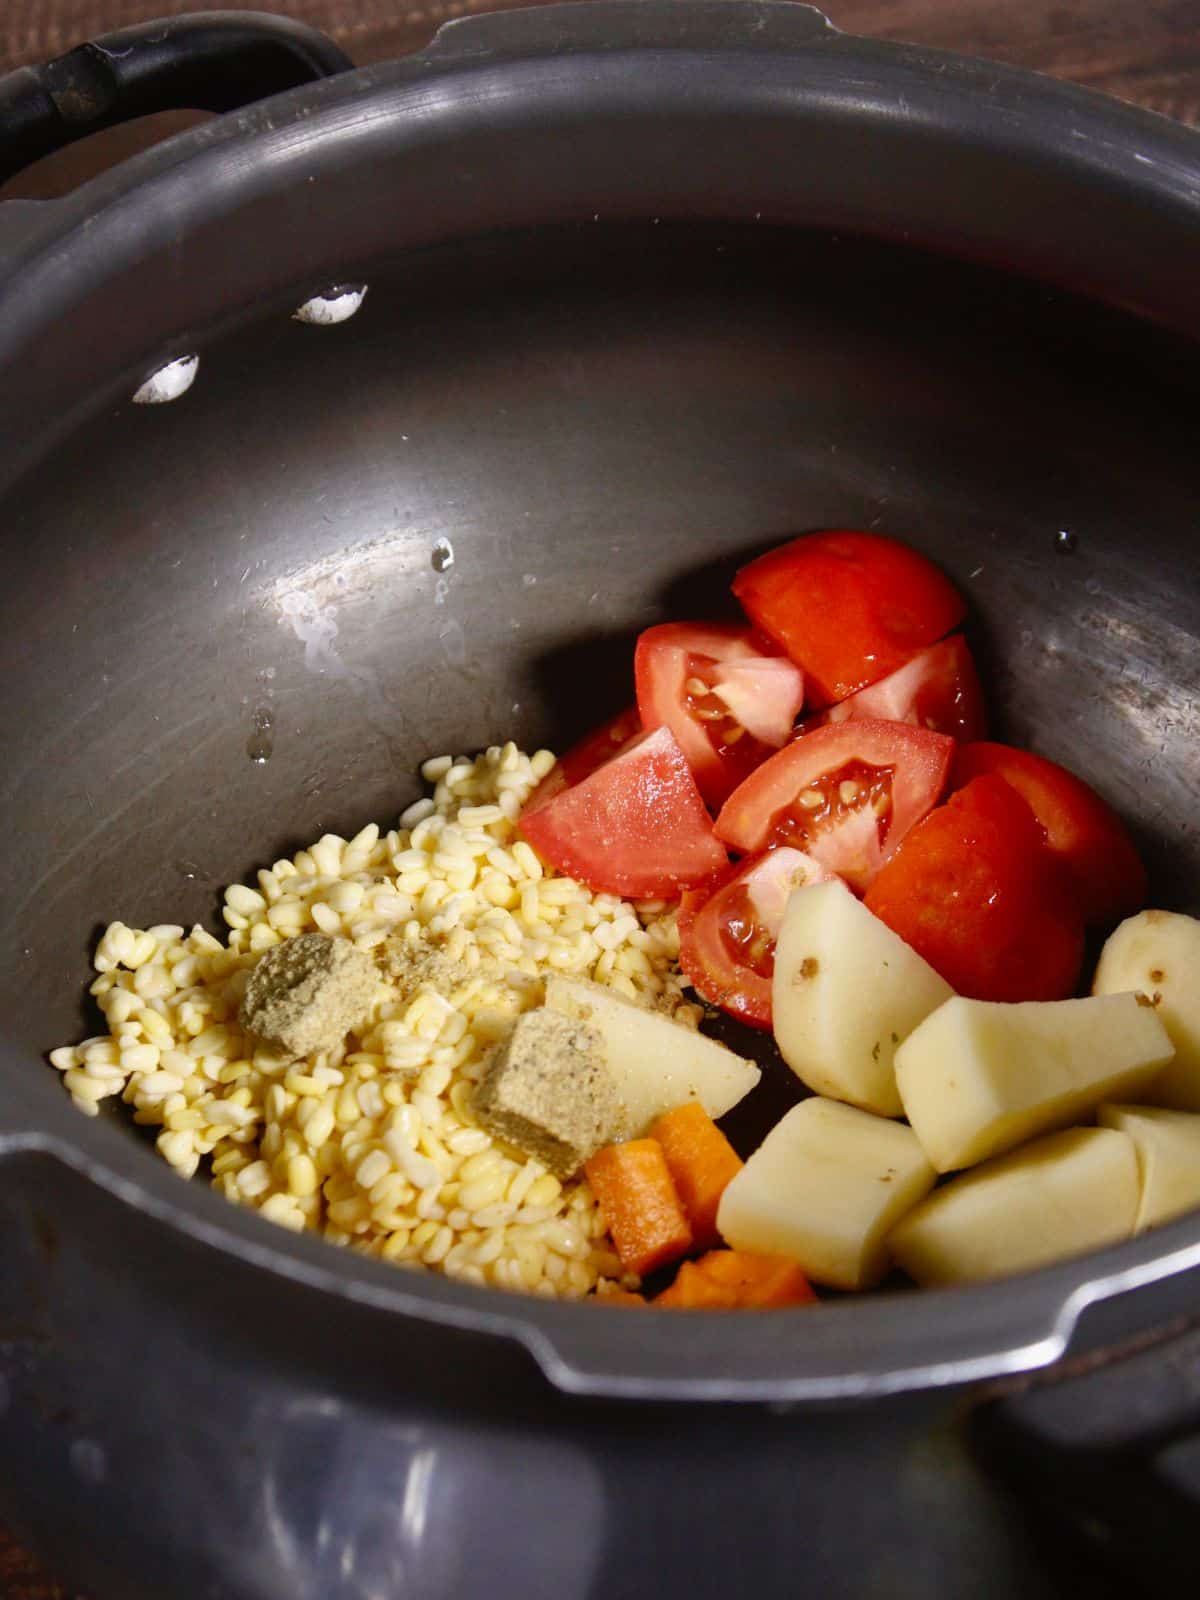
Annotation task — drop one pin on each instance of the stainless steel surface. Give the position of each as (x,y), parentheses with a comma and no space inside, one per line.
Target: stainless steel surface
(610,350)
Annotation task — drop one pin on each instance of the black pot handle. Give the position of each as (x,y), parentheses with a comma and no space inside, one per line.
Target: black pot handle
(209,61)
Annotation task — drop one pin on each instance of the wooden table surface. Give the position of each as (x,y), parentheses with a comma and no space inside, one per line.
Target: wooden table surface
(1146,51)
(1142,50)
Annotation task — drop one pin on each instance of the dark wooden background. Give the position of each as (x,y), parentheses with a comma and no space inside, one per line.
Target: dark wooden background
(1142,50)
(1146,51)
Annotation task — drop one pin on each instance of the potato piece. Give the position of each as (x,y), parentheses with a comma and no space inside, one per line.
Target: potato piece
(1158,953)
(654,1063)
(846,991)
(980,1076)
(1063,1194)
(1167,1144)
(825,1187)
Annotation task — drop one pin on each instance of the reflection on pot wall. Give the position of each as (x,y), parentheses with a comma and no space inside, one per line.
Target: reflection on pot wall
(425,1509)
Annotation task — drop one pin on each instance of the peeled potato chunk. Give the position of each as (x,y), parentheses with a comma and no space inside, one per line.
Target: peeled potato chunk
(1061,1195)
(1167,1144)
(1158,953)
(846,991)
(654,1063)
(980,1076)
(825,1187)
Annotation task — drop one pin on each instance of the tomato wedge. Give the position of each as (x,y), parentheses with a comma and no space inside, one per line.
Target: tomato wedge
(728,929)
(582,759)
(975,891)
(846,794)
(726,695)
(1087,836)
(938,689)
(634,826)
(847,607)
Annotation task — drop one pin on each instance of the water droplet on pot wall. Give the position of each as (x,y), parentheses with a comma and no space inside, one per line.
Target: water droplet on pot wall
(443,555)
(260,745)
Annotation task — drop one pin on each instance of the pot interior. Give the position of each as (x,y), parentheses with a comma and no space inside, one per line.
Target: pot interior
(600,423)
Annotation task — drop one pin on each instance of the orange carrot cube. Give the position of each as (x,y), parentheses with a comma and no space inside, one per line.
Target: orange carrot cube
(694,1291)
(727,1280)
(633,1186)
(757,1280)
(701,1161)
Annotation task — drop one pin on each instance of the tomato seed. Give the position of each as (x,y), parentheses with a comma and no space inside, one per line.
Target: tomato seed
(856,786)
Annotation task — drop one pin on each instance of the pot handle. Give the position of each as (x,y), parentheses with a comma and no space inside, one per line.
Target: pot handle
(209,61)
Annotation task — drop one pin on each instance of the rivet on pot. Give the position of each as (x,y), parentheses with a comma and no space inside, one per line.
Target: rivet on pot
(168,383)
(335,305)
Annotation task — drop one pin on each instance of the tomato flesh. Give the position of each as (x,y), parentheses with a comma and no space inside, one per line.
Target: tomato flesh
(723,732)
(599,746)
(831,796)
(728,929)
(634,826)
(845,794)
(728,698)
(939,689)
(762,696)
(974,890)
(1088,837)
(582,759)
(748,942)
(847,607)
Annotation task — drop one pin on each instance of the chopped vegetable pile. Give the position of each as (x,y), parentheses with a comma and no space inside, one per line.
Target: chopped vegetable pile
(801,817)
(989,861)
(904,903)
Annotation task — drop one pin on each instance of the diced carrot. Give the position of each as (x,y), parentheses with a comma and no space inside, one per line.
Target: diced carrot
(701,1160)
(737,1279)
(757,1280)
(693,1290)
(619,1297)
(633,1186)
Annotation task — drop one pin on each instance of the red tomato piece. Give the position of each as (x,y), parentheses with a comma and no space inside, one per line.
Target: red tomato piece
(582,759)
(599,746)
(1087,836)
(728,929)
(635,826)
(937,689)
(846,794)
(975,891)
(726,695)
(847,607)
